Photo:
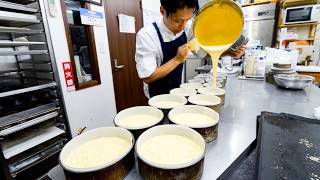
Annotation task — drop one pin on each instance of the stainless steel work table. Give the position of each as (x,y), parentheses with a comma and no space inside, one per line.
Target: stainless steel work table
(244,101)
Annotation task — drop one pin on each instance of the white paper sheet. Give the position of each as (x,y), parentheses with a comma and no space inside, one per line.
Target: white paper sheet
(127,24)
(93,18)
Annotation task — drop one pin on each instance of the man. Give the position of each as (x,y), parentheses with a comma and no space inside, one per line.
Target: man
(162,48)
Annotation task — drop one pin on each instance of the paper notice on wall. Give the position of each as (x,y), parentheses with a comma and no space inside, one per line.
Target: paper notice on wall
(126,24)
(92,18)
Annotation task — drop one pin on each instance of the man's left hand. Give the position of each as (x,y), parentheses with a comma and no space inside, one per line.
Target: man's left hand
(237,53)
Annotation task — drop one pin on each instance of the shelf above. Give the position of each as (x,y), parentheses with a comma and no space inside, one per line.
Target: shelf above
(21,71)
(29,89)
(306,39)
(34,101)
(27,114)
(24,2)
(287,3)
(34,62)
(27,124)
(19,31)
(17,7)
(295,25)
(37,157)
(19,43)
(9,71)
(17,22)
(18,145)
(18,53)
(259,3)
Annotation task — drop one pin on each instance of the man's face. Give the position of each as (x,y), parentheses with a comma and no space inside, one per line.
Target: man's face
(177,21)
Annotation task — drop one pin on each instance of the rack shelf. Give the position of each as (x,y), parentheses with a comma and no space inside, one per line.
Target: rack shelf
(19,43)
(26,163)
(295,25)
(20,144)
(17,22)
(31,104)
(9,71)
(307,39)
(33,125)
(259,3)
(24,70)
(287,3)
(17,7)
(27,114)
(35,62)
(27,124)
(29,89)
(19,31)
(24,2)
(18,53)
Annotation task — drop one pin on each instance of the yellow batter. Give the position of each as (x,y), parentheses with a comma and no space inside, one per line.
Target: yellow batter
(212,90)
(207,103)
(97,152)
(139,120)
(191,85)
(167,104)
(194,119)
(183,91)
(216,29)
(170,150)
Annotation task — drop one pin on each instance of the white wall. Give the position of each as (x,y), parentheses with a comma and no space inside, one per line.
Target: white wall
(92,107)
(151,11)
(153,5)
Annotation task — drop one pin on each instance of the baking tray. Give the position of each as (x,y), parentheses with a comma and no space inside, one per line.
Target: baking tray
(244,167)
(288,147)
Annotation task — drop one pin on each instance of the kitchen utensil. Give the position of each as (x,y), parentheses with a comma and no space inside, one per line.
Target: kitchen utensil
(155,115)
(209,131)
(166,102)
(208,100)
(186,92)
(213,91)
(185,171)
(294,81)
(191,85)
(116,169)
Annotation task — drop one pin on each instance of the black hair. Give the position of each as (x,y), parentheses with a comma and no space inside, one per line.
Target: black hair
(171,6)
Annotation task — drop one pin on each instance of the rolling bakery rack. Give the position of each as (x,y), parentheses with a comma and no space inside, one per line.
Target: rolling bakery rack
(33,124)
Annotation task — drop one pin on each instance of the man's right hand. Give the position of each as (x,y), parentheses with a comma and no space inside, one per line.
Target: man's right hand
(182,53)
(169,66)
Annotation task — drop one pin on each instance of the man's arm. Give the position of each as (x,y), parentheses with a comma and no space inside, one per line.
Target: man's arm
(166,68)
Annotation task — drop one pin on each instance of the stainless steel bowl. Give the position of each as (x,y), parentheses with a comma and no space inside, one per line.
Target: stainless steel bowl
(293,81)
(213,2)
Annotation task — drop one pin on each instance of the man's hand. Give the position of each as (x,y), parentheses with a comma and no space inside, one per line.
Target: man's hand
(182,53)
(237,53)
(169,66)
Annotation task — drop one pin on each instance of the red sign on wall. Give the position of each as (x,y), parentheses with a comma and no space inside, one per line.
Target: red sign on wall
(68,75)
